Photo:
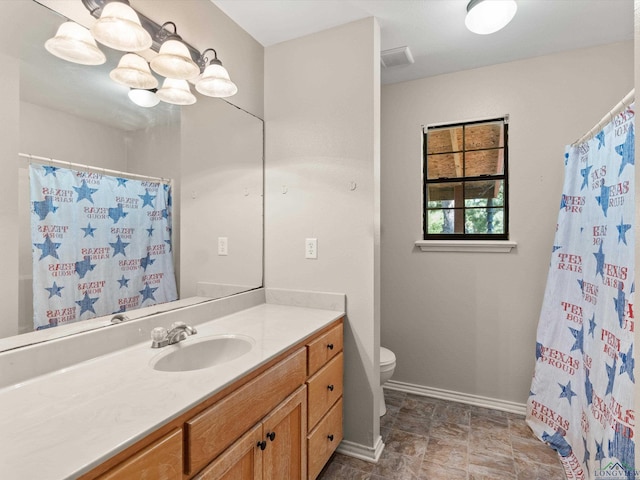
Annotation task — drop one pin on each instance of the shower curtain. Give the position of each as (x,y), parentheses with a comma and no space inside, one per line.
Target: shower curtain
(581,398)
(101,245)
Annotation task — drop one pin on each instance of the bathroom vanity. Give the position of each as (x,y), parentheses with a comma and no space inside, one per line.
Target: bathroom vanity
(274,412)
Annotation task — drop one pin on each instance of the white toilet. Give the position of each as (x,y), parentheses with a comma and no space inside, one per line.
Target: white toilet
(387,366)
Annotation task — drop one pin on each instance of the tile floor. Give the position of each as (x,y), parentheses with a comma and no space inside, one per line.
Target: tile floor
(431,439)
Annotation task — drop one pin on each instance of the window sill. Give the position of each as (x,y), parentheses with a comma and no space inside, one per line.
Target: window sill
(485,246)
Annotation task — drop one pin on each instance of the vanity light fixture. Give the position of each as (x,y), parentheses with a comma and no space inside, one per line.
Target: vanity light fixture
(119,28)
(176,91)
(144,97)
(173,59)
(489,16)
(214,81)
(74,43)
(133,71)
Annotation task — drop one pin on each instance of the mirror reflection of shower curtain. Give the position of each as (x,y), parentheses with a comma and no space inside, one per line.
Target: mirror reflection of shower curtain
(101,245)
(581,401)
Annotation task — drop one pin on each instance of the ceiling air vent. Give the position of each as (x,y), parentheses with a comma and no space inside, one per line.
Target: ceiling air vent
(395,57)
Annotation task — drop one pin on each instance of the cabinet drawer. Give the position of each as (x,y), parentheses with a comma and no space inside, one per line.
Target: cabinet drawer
(161,460)
(217,427)
(324,439)
(325,387)
(324,348)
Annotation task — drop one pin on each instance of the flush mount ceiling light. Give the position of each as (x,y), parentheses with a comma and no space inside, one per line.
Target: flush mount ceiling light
(176,92)
(133,71)
(215,81)
(74,43)
(143,97)
(173,59)
(489,16)
(119,28)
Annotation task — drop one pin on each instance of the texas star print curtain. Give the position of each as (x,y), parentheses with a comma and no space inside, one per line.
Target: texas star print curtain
(101,245)
(581,398)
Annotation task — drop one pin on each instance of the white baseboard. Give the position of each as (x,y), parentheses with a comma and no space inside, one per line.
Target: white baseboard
(477,400)
(357,450)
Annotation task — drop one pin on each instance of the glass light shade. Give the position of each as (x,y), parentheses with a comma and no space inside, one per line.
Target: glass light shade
(133,71)
(489,16)
(215,82)
(174,61)
(143,98)
(74,43)
(176,91)
(119,28)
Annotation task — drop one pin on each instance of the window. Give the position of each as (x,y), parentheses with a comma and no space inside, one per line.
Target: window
(465,181)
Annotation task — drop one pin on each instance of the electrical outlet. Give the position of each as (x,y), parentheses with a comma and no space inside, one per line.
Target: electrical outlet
(311,248)
(223,246)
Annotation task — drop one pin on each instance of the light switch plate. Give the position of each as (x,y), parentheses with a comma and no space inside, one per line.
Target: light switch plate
(223,246)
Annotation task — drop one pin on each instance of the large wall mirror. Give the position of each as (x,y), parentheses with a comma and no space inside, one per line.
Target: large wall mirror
(213,152)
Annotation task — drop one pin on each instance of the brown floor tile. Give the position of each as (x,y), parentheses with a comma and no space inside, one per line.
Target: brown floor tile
(412,424)
(519,428)
(433,471)
(491,464)
(447,452)
(353,462)
(336,471)
(396,466)
(533,451)
(451,413)
(393,398)
(452,431)
(406,443)
(417,406)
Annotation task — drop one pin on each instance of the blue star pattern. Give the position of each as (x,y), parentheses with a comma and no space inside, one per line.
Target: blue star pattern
(88,230)
(587,454)
(611,373)
(147,199)
(588,388)
(44,207)
(54,290)
(579,339)
(585,176)
(89,233)
(86,304)
(627,150)
(48,248)
(85,192)
(599,262)
(620,304)
(628,363)
(567,392)
(119,246)
(600,451)
(124,282)
(622,231)
(49,170)
(600,137)
(592,325)
(603,199)
(147,293)
(557,442)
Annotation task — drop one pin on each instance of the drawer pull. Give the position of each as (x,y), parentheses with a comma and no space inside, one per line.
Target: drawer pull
(330,437)
(262,445)
(330,387)
(271,436)
(330,346)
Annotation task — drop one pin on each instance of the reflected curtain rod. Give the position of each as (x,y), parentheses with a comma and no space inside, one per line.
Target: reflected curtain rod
(93,169)
(619,108)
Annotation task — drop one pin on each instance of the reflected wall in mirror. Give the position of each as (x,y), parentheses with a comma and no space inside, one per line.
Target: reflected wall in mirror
(212,150)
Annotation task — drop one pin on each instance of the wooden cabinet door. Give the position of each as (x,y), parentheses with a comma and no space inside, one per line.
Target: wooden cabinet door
(284,430)
(241,461)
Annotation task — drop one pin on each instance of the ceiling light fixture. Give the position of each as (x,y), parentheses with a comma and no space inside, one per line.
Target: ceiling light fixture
(74,43)
(176,91)
(173,59)
(214,81)
(119,28)
(133,71)
(489,16)
(143,97)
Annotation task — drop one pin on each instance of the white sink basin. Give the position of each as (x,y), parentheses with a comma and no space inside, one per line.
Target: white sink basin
(195,354)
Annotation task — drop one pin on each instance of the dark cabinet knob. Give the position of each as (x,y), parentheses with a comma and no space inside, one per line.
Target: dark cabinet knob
(330,387)
(330,437)
(330,346)
(271,436)
(262,445)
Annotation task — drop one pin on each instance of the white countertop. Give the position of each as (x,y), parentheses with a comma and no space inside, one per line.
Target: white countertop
(63,424)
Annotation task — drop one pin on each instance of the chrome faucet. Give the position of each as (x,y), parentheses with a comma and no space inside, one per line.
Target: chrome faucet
(179,331)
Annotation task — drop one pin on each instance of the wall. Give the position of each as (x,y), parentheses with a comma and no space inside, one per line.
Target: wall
(466,322)
(322,131)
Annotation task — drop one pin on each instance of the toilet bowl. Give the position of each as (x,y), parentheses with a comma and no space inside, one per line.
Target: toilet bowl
(387,366)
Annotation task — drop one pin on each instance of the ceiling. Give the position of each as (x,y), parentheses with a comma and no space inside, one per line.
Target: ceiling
(434,30)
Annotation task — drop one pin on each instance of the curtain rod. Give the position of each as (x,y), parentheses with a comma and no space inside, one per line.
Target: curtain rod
(89,167)
(619,108)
